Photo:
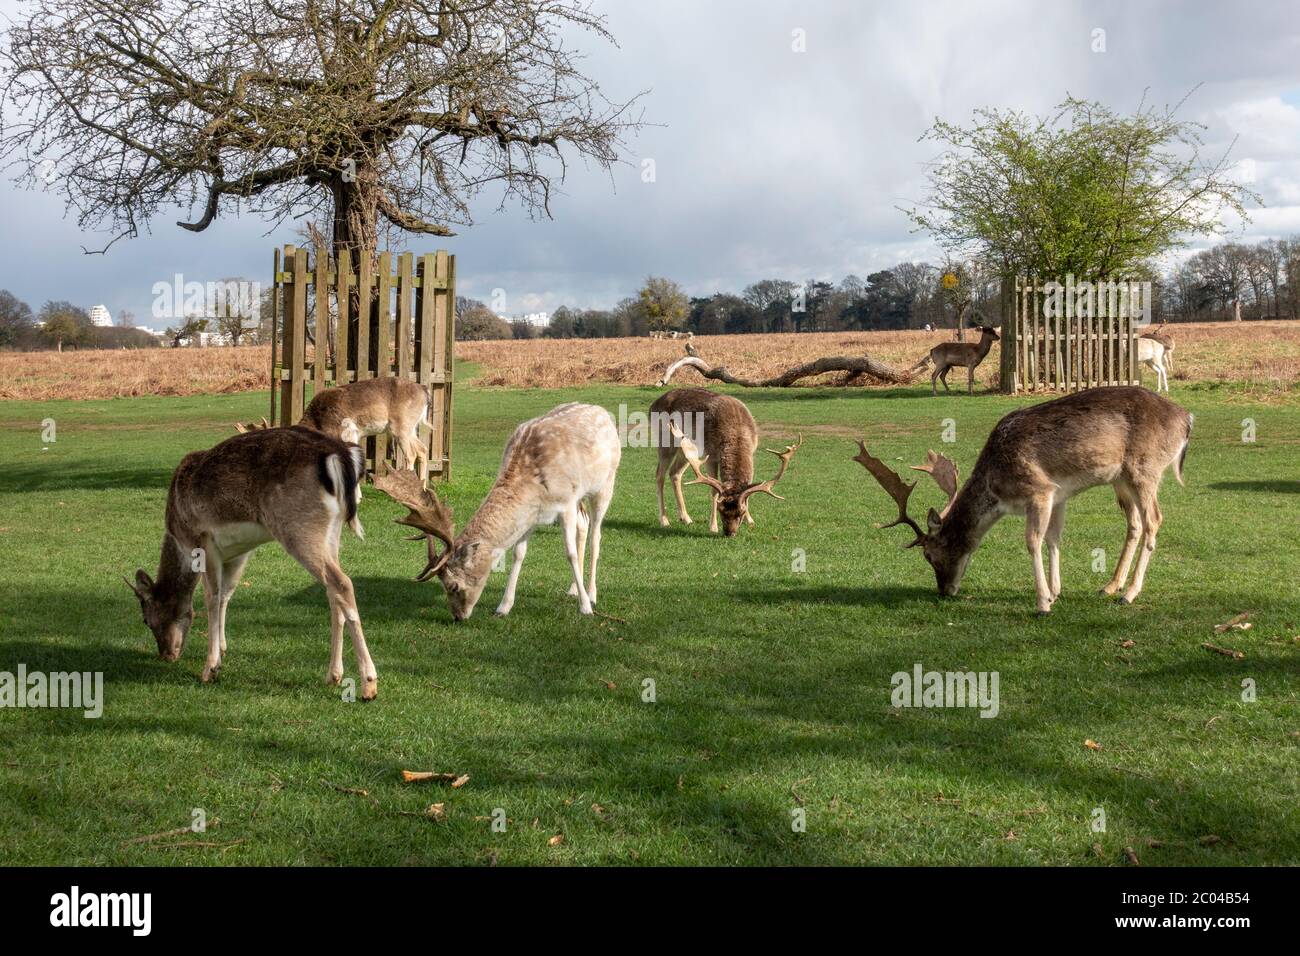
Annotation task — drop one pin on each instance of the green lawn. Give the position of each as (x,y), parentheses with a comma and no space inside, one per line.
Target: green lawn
(772,686)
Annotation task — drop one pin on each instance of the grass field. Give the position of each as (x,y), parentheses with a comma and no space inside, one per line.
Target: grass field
(772,685)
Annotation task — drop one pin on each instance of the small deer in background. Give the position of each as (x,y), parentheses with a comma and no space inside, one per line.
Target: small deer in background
(730,437)
(1156,351)
(292,485)
(1035,460)
(949,355)
(371,406)
(559,465)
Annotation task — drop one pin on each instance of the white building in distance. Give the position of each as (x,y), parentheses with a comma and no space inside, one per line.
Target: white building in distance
(99,315)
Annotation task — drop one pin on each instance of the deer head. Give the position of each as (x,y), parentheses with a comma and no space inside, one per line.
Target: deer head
(733,500)
(454,567)
(949,563)
(168,616)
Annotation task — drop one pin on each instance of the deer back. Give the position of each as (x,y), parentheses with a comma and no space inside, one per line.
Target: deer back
(730,434)
(272,477)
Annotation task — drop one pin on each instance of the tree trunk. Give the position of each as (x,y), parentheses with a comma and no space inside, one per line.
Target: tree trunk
(356,229)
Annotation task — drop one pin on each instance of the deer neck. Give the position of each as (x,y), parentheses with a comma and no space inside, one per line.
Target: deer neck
(982,347)
(174,585)
(974,511)
(504,517)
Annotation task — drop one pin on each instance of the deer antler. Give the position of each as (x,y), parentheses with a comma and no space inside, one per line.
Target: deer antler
(896,487)
(944,471)
(427,513)
(252,427)
(766,486)
(691,452)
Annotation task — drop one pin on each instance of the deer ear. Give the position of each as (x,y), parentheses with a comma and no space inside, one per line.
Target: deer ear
(143,581)
(933,521)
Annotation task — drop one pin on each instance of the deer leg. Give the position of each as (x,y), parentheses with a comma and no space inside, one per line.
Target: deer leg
(1038,514)
(676,470)
(343,604)
(600,505)
(231,572)
(508,599)
(1054,528)
(1151,521)
(944,378)
(212,601)
(1128,504)
(661,472)
(934,389)
(584,523)
(570,521)
(713,519)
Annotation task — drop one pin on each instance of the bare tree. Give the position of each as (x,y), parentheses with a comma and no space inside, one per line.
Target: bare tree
(351,111)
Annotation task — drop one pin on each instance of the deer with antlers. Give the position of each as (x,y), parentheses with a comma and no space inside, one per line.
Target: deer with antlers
(730,437)
(561,465)
(1035,460)
(371,406)
(291,485)
(949,355)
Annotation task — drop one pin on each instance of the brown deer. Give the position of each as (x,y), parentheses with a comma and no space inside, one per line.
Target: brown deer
(292,485)
(371,406)
(559,465)
(730,437)
(1035,460)
(948,355)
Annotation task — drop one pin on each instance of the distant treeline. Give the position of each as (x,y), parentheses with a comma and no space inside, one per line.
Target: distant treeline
(60,325)
(1226,282)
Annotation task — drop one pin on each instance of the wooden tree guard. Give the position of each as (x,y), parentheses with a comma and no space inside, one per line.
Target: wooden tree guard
(415,342)
(1065,352)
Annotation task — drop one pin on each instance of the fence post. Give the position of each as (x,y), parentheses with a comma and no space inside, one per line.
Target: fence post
(1007,355)
(275,332)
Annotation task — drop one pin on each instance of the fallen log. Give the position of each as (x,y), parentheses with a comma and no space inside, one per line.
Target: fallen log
(855,366)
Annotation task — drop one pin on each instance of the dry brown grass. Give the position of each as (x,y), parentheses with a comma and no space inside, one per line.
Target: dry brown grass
(1264,357)
(128,372)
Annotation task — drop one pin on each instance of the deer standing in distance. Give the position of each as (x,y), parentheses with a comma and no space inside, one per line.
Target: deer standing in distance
(559,465)
(730,437)
(1156,351)
(292,485)
(949,355)
(1035,460)
(371,406)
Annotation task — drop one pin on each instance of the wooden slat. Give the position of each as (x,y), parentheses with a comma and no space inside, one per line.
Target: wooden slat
(275,331)
(342,282)
(405,288)
(449,331)
(383,343)
(424,335)
(365,278)
(321,300)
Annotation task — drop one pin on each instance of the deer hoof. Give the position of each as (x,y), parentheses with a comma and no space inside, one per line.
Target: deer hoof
(1043,612)
(1123,599)
(371,690)
(210,675)
(333,680)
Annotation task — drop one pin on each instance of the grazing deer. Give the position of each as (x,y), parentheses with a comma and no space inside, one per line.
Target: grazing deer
(1035,460)
(1153,353)
(730,440)
(948,355)
(560,465)
(351,412)
(292,485)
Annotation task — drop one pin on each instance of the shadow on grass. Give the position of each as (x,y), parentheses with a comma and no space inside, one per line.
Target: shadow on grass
(61,477)
(1277,486)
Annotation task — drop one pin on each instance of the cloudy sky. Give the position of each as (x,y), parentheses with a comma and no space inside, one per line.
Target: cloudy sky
(771,162)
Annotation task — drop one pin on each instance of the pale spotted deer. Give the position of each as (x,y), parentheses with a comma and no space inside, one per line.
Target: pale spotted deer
(561,465)
(292,485)
(1035,460)
(730,437)
(371,406)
